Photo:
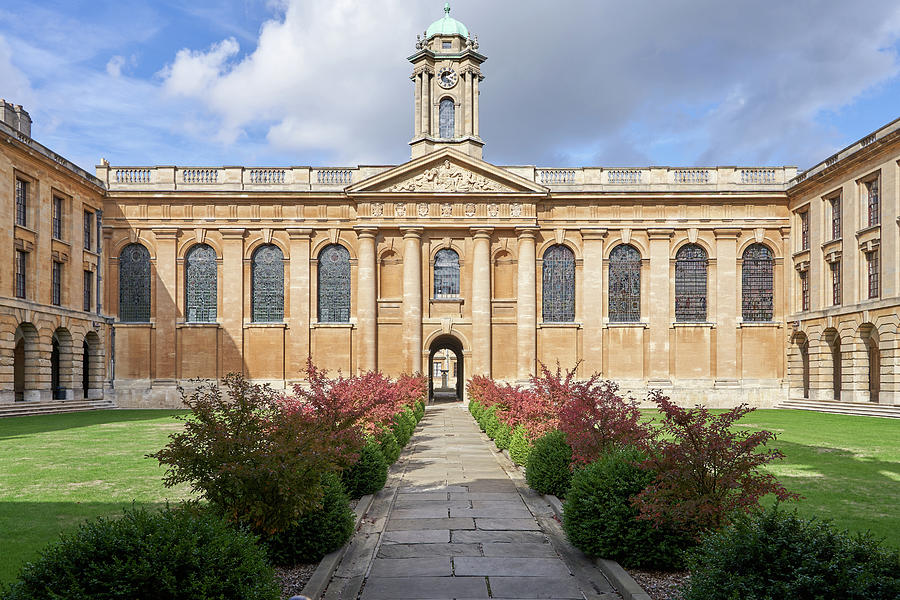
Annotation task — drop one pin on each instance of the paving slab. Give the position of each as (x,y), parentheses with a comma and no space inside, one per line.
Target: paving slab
(559,588)
(437,523)
(438,566)
(416,536)
(503,537)
(424,588)
(518,512)
(427,550)
(516,550)
(511,567)
(495,524)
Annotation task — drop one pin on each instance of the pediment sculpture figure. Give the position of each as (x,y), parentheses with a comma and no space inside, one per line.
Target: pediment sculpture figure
(448,177)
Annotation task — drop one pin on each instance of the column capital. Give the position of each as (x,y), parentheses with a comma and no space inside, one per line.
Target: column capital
(655,233)
(527,231)
(481,232)
(232,233)
(366,232)
(412,232)
(726,233)
(594,233)
(165,233)
(299,233)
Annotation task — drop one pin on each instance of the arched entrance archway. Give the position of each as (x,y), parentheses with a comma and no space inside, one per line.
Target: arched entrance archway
(85,369)
(61,365)
(454,392)
(833,338)
(802,344)
(26,364)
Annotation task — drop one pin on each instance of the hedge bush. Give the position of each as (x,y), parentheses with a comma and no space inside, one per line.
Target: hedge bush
(389,446)
(317,532)
(419,411)
(483,415)
(368,474)
(502,434)
(600,520)
(491,422)
(549,464)
(774,554)
(475,409)
(171,554)
(519,446)
(402,428)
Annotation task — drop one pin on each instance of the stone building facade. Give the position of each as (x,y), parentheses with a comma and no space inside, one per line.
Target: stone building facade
(677,278)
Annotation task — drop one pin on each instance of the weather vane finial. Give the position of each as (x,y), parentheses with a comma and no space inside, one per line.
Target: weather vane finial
(447,9)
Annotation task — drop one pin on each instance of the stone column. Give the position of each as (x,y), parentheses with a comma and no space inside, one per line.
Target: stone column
(475,104)
(298,350)
(412,298)
(366,304)
(592,307)
(481,303)
(526,322)
(426,104)
(660,307)
(468,104)
(232,300)
(166,306)
(727,306)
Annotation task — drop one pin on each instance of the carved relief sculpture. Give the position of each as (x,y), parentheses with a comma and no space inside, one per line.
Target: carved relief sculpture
(446,209)
(423,209)
(470,209)
(448,177)
(377,209)
(400,210)
(515,210)
(493,209)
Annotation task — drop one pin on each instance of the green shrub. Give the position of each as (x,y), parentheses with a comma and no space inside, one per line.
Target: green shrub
(403,426)
(491,422)
(549,465)
(317,532)
(519,446)
(389,446)
(775,554)
(171,554)
(502,435)
(420,411)
(600,520)
(369,474)
(475,409)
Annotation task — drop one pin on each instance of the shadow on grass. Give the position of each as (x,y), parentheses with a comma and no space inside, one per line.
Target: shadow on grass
(11,427)
(26,528)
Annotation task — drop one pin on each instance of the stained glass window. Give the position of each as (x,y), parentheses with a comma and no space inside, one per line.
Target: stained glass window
(134,284)
(690,284)
(624,284)
(757,284)
(447,117)
(334,284)
(201,282)
(446,274)
(558,285)
(268,284)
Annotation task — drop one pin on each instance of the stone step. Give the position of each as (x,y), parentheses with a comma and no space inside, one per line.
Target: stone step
(24,409)
(844,408)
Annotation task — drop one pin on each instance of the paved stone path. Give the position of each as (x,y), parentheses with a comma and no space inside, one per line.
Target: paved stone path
(453,523)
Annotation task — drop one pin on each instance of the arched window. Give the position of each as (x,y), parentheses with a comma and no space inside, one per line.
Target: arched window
(690,284)
(757,284)
(334,284)
(446,274)
(624,284)
(200,284)
(447,118)
(558,285)
(134,284)
(267,268)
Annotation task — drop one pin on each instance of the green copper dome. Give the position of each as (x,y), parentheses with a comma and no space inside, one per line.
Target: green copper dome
(446,26)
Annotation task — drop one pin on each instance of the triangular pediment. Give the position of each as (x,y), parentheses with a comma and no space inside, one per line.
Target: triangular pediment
(446,171)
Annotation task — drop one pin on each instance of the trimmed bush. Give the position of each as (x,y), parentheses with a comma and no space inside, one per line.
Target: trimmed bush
(420,411)
(519,446)
(483,415)
(475,409)
(600,520)
(777,554)
(369,474)
(502,435)
(389,446)
(171,554)
(491,422)
(549,465)
(318,532)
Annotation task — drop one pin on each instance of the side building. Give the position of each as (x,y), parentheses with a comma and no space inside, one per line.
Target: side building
(53,335)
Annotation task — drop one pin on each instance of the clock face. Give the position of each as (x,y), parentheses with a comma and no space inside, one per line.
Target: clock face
(447,78)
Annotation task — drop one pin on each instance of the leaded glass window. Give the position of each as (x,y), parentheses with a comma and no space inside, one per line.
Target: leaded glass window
(872,262)
(874,202)
(757,284)
(836,218)
(134,284)
(21,202)
(267,269)
(804,230)
(624,284)
(690,284)
(446,274)
(334,284)
(835,282)
(558,284)
(201,283)
(804,290)
(447,118)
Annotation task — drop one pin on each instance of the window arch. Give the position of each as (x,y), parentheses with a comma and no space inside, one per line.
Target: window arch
(267,284)
(624,284)
(757,284)
(134,284)
(446,274)
(558,284)
(334,284)
(447,118)
(201,282)
(690,284)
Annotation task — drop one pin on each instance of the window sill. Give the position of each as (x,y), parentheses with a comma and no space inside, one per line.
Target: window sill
(199,324)
(134,324)
(706,324)
(317,325)
(559,324)
(758,324)
(868,229)
(448,300)
(615,324)
(265,325)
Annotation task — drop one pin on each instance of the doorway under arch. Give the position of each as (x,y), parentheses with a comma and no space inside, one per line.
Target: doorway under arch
(436,389)
(26,363)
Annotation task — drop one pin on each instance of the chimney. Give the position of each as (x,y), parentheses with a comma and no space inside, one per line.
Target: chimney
(16,117)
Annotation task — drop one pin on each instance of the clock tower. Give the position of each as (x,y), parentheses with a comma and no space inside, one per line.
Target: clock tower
(446,73)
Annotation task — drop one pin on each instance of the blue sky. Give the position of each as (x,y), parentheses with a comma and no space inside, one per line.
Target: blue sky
(325,82)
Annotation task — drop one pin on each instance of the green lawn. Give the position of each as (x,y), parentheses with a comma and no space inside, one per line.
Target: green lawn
(57,470)
(846,468)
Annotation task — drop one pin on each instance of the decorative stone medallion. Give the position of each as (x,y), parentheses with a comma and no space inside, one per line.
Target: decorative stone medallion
(400,210)
(446,209)
(377,209)
(470,209)
(515,210)
(493,210)
(423,209)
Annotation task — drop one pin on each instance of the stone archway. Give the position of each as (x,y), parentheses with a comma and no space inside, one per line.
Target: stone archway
(833,339)
(870,340)
(801,342)
(26,363)
(92,366)
(455,393)
(61,365)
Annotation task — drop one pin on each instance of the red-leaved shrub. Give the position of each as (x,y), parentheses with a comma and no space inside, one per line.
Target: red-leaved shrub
(705,471)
